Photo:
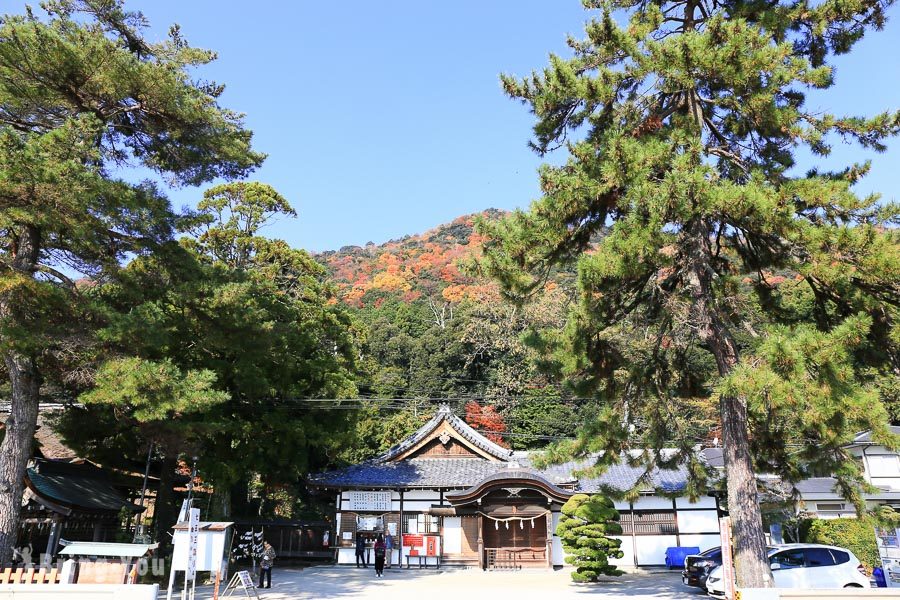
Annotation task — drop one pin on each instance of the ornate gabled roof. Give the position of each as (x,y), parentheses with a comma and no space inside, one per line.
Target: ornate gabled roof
(510,477)
(444,416)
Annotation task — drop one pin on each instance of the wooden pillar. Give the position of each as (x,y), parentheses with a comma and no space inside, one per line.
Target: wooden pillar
(633,533)
(675,518)
(550,538)
(400,533)
(481,542)
(53,540)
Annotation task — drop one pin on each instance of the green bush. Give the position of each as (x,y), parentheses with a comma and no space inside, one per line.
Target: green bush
(857,535)
(584,525)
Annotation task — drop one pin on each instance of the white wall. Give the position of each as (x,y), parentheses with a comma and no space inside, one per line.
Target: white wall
(627,549)
(452,535)
(704,542)
(697,521)
(653,503)
(651,549)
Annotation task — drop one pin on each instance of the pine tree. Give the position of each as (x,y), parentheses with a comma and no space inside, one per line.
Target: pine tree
(585,527)
(81,94)
(681,121)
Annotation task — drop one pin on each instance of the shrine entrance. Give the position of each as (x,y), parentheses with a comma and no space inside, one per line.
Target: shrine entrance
(515,519)
(514,543)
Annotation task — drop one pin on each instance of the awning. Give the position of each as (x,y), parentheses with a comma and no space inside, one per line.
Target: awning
(107,549)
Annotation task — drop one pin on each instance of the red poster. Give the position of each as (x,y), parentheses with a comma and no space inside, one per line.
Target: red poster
(431,546)
(412,540)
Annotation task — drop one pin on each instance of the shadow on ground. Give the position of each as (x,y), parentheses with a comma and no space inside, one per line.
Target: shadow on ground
(456,584)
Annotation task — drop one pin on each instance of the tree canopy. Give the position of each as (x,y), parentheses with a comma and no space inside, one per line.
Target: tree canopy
(82,94)
(681,121)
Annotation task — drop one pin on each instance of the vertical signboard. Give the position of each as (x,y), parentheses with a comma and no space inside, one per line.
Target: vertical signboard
(727,557)
(190,574)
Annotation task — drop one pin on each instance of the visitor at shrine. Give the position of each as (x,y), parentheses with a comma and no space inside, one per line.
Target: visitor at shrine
(361,551)
(379,556)
(265,565)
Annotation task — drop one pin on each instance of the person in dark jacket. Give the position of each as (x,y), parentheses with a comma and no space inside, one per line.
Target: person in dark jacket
(361,551)
(379,556)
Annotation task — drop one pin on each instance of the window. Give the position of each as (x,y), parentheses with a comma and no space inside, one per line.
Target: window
(789,559)
(883,465)
(830,507)
(421,523)
(840,557)
(649,522)
(819,557)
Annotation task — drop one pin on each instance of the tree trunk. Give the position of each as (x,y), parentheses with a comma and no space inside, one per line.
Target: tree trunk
(25,383)
(16,448)
(165,513)
(750,556)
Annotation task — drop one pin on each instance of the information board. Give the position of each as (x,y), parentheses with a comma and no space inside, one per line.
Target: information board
(193,542)
(370,501)
(245,579)
(412,540)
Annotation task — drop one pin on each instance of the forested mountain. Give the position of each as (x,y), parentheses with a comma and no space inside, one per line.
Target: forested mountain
(428,266)
(436,331)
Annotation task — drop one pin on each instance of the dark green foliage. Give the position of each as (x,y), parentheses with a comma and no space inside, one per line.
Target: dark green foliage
(682,120)
(584,528)
(83,94)
(244,315)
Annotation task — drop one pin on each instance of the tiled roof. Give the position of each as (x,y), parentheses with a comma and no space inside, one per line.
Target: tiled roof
(466,472)
(866,436)
(444,413)
(82,492)
(413,473)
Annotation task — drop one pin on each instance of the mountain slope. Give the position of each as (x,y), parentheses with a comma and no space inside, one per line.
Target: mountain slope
(418,266)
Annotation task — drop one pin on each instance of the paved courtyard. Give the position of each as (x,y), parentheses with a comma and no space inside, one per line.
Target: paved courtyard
(457,584)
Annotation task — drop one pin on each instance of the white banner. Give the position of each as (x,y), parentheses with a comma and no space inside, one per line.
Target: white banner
(370,501)
(193,540)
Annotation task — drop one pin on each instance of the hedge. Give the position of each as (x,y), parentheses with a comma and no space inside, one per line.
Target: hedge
(857,535)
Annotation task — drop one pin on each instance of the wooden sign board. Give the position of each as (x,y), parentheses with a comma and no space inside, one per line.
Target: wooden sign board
(242,580)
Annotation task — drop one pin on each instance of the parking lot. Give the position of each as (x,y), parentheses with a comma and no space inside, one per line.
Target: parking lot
(458,584)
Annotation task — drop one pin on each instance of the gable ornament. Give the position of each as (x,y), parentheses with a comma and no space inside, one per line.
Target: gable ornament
(444,438)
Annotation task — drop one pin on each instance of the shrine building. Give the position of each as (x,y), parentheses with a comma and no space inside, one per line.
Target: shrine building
(448,493)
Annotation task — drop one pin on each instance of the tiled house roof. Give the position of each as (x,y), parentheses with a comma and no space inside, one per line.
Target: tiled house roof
(412,473)
(444,414)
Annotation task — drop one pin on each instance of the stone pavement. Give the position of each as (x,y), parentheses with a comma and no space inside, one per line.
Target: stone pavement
(461,584)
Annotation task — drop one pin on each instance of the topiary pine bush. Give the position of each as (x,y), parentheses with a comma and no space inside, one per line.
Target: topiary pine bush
(584,528)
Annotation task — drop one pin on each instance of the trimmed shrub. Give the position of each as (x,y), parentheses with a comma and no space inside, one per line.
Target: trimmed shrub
(857,535)
(584,527)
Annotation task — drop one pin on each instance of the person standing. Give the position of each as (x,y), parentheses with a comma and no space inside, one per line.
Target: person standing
(360,551)
(389,549)
(379,556)
(265,565)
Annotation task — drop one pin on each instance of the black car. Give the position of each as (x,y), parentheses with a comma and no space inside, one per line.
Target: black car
(698,566)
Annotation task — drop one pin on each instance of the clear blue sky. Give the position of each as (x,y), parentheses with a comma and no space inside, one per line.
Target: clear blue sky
(386,118)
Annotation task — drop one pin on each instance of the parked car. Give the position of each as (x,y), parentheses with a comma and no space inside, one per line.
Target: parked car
(698,566)
(808,566)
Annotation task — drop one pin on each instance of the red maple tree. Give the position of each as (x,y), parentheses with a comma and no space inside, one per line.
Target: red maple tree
(486,420)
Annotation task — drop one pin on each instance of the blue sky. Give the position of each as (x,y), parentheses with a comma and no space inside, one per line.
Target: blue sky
(386,118)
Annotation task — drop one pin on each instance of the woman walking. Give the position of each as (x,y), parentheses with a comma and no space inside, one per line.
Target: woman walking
(379,556)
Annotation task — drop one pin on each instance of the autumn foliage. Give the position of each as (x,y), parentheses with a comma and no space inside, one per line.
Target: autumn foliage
(487,421)
(427,265)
